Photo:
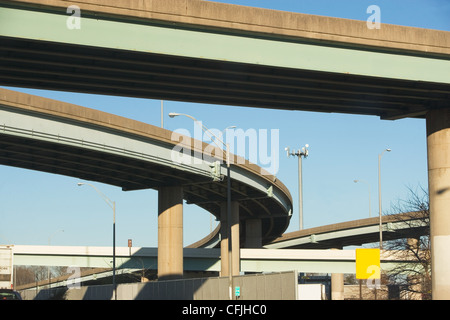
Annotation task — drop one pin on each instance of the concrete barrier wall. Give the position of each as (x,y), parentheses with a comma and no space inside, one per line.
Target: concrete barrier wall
(273,286)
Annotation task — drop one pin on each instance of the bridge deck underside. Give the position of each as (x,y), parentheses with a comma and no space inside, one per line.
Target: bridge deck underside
(57,66)
(133,174)
(360,239)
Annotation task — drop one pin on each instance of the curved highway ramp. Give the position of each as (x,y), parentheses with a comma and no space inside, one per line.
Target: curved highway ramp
(62,138)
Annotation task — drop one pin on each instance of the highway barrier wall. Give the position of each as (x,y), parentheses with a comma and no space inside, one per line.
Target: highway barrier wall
(272,286)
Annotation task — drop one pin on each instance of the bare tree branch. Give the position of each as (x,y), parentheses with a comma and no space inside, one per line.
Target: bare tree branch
(415,276)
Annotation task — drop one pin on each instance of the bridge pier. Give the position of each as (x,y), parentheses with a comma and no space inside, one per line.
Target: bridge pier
(235,249)
(438,144)
(170,233)
(337,284)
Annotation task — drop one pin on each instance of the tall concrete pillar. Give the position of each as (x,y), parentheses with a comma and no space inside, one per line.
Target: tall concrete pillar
(170,233)
(235,238)
(253,233)
(438,141)
(337,284)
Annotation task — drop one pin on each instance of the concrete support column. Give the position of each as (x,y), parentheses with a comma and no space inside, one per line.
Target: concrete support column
(438,141)
(253,233)
(235,248)
(337,284)
(170,233)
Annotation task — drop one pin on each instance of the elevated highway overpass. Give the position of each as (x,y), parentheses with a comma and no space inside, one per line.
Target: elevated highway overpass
(61,138)
(207,52)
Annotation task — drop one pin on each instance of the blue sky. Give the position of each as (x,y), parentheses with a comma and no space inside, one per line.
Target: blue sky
(36,207)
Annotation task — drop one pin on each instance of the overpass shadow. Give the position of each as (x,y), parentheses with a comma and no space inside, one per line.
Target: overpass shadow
(180,289)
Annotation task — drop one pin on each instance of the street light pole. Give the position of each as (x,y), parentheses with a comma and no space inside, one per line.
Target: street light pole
(300,153)
(224,130)
(114,251)
(227,146)
(379,196)
(230,256)
(112,204)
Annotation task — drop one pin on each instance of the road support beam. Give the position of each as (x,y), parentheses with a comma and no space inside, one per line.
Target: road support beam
(438,144)
(337,286)
(170,233)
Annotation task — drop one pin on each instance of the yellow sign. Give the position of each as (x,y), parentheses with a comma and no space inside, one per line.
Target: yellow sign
(367,263)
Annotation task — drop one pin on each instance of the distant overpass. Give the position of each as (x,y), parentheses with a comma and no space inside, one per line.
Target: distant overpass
(344,234)
(252,260)
(284,254)
(355,233)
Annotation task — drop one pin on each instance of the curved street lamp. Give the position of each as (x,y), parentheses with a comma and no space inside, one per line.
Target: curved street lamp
(112,204)
(210,221)
(227,146)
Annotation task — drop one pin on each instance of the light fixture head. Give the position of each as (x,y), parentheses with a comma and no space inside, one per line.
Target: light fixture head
(80,184)
(287,149)
(173,114)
